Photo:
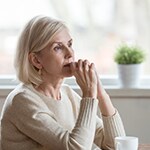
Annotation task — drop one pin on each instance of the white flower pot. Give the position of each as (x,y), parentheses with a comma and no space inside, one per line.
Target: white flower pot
(129,75)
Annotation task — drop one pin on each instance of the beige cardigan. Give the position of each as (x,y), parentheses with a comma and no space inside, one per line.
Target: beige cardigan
(32,121)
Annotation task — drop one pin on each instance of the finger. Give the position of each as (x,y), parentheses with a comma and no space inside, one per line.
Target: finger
(86,65)
(80,65)
(73,67)
(97,76)
(78,72)
(87,61)
(86,72)
(80,69)
(93,73)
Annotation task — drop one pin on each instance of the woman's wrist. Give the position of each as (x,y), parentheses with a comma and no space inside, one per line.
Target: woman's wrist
(102,95)
(106,106)
(90,93)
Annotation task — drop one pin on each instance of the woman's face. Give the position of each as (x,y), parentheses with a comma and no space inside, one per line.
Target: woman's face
(57,56)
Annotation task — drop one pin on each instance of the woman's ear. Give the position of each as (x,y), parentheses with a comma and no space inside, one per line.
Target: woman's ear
(33,59)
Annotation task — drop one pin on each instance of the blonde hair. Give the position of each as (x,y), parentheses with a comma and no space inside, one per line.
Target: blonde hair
(36,35)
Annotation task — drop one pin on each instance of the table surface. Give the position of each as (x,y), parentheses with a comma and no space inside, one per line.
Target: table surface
(144,147)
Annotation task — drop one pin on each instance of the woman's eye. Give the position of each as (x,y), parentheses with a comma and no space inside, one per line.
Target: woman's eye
(57,48)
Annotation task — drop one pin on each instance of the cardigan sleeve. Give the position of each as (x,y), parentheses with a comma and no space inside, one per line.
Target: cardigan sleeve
(107,129)
(35,120)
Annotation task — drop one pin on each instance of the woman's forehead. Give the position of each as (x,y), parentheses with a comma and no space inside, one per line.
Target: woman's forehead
(61,36)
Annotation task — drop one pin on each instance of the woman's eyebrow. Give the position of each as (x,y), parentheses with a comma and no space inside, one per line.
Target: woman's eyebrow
(57,42)
(51,44)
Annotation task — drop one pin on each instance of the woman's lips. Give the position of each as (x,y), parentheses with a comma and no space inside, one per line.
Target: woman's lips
(67,65)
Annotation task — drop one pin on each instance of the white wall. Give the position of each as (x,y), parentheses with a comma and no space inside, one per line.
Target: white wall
(135,113)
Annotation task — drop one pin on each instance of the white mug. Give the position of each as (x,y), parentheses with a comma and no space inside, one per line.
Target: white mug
(126,143)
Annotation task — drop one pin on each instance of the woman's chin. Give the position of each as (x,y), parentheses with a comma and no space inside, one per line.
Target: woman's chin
(69,75)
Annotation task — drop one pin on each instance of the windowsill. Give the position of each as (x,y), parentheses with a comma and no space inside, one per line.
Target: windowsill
(116,91)
(110,84)
(113,91)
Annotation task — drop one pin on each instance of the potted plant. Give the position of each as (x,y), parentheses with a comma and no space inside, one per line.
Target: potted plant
(129,60)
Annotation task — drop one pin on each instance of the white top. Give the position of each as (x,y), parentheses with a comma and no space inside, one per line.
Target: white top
(32,121)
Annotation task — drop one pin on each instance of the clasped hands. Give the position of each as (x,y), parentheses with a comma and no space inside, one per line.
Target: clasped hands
(88,80)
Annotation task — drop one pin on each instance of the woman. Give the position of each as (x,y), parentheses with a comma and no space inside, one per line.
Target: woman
(44,114)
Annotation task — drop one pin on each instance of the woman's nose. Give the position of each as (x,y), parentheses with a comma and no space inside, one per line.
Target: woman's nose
(69,53)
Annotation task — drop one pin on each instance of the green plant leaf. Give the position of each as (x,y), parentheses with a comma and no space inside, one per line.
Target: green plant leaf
(129,55)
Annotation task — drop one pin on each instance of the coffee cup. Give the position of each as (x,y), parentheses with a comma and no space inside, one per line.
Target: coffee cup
(126,143)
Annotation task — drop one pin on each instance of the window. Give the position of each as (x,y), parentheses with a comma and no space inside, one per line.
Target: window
(97,26)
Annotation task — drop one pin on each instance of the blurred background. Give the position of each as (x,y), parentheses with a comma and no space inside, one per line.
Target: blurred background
(97,27)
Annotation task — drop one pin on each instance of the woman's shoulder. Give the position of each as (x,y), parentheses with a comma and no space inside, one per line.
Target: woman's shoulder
(14,99)
(22,94)
(16,91)
(20,89)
